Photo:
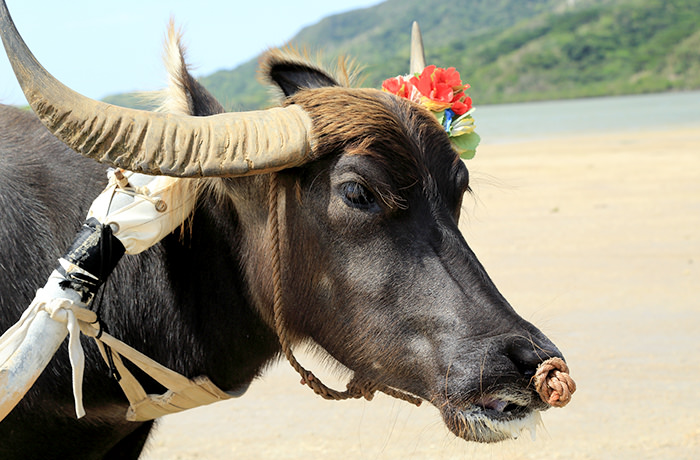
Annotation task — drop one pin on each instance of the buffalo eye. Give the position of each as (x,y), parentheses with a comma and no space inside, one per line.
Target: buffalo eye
(358,196)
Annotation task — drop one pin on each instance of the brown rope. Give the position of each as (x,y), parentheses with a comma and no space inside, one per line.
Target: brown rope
(356,388)
(553,382)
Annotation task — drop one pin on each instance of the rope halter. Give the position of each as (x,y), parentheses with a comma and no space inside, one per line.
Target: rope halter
(356,388)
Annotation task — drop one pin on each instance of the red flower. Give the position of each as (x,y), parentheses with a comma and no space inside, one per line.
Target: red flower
(442,89)
(436,88)
(399,86)
(462,106)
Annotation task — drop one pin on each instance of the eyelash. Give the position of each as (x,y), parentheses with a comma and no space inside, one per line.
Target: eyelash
(358,196)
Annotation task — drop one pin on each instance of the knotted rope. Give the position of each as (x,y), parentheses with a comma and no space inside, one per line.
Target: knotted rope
(553,382)
(356,388)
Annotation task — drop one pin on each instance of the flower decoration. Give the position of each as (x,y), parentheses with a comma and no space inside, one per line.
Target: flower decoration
(442,92)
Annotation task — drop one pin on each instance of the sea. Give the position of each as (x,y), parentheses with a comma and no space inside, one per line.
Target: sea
(507,123)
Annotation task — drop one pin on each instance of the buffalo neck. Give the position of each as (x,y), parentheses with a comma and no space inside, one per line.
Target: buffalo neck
(193,298)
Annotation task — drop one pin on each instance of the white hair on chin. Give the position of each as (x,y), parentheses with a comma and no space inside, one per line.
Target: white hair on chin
(479,425)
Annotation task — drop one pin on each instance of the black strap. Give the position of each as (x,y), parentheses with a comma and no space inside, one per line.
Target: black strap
(96,250)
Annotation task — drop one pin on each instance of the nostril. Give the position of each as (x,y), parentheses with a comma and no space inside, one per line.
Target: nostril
(528,373)
(527,356)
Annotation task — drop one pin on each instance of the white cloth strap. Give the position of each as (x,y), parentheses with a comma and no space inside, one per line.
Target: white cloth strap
(143,209)
(182,393)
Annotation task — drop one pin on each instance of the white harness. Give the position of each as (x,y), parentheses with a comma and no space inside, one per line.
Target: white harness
(141,210)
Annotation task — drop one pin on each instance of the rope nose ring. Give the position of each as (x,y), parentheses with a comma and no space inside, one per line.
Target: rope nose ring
(553,382)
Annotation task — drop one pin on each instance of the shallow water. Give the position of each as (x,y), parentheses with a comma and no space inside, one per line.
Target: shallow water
(538,120)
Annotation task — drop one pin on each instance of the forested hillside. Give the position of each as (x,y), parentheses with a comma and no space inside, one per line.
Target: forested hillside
(509,50)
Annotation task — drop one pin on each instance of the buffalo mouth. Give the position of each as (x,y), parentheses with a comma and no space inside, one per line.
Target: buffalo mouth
(492,418)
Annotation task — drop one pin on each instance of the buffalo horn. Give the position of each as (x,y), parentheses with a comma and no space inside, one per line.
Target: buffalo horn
(231,144)
(417,53)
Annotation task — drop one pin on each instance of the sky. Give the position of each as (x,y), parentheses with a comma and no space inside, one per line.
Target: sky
(102,48)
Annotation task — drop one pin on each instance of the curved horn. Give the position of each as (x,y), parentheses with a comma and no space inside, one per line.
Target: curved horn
(417,53)
(231,144)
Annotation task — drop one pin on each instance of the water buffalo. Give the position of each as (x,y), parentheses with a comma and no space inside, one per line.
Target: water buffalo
(374,268)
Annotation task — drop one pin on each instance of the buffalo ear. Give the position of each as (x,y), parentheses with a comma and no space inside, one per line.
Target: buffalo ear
(292,74)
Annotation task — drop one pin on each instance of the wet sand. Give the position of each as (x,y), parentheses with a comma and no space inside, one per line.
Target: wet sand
(596,240)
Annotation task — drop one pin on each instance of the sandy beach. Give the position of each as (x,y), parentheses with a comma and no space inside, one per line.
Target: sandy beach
(596,240)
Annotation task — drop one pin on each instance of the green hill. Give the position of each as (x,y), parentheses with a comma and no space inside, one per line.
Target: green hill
(508,50)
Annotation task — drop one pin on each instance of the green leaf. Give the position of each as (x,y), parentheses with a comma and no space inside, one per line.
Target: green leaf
(466,145)
(440,116)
